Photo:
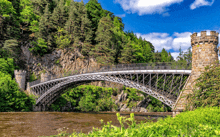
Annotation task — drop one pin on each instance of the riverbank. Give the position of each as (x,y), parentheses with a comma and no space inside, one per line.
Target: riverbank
(35,124)
(200,122)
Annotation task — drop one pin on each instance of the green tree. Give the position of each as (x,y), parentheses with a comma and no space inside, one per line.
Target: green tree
(157,57)
(105,49)
(79,27)
(9,24)
(39,47)
(87,102)
(62,38)
(7,66)
(95,13)
(170,58)
(45,26)
(119,37)
(59,15)
(164,55)
(127,54)
(147,52)
(12,48)
(188,55)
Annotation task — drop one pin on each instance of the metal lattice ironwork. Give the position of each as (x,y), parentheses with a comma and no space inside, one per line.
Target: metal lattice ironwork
(121,67)
(164,85)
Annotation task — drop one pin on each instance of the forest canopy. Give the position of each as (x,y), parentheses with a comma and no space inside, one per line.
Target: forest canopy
(88,28)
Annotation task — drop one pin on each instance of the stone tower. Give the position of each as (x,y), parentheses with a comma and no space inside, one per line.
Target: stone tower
(20,77)
(204,52)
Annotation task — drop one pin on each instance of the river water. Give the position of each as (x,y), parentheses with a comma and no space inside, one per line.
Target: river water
(34,124)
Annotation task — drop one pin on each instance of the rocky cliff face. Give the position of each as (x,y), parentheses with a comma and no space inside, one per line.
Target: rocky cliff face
(58,62)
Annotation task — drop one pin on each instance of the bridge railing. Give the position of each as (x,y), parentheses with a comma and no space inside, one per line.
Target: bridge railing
(121,67)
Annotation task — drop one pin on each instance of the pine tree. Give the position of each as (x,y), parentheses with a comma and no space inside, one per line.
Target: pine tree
(59,15)
(11,47)
(45,26)
(164,55)
(119,37)
(95,13)
(188,55)
(147,52)
(104,50)
(79,27)
(157,57)
(128,54)
(170,58)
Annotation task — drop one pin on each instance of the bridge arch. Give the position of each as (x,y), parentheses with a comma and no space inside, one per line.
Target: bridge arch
(51,94)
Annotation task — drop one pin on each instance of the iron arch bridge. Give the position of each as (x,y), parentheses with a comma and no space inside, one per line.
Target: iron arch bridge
(163,82)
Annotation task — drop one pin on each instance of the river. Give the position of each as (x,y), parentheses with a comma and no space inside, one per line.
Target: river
(34,124)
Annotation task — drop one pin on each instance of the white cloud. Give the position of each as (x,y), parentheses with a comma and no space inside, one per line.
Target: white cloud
(164,40)
(159,40)
(120,15)
(199,3)
(182,39)
(174,55)
(147,6)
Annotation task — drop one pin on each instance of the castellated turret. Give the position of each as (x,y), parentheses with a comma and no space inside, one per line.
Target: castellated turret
(20,77)
(204,51)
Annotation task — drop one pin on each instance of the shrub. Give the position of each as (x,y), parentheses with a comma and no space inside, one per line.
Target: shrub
(201,122)
(207,89)
(11,97)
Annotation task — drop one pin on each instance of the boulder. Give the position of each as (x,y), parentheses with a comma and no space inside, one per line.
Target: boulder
(142,109)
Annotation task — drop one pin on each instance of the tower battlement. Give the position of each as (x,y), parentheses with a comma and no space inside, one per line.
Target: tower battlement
(204,38)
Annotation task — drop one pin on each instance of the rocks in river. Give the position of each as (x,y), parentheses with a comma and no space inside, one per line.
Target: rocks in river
(142,109)
(125,108)
(122,99)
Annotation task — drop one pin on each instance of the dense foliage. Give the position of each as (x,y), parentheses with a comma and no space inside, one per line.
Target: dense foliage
(12,99)
(207,89)
(86,98)
(93,98)
(51,24)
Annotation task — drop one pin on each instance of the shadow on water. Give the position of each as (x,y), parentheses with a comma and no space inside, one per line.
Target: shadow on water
(35,124)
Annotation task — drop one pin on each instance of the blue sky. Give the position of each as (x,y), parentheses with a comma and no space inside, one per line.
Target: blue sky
(166,23)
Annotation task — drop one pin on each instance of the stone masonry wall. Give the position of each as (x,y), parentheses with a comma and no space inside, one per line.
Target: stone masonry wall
(20,77)
(204,52)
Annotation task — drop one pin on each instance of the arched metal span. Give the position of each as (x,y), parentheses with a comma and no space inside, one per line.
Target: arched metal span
(164,85)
